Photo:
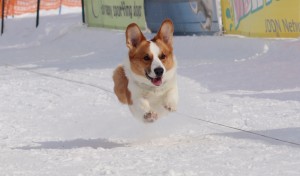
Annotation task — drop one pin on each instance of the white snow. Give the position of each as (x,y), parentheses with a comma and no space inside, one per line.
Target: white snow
(59,117)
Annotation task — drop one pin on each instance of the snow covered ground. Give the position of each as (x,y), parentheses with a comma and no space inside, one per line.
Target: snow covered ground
(58,115)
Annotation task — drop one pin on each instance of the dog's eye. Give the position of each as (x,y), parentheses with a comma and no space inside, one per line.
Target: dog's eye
(146,57)
(163,56)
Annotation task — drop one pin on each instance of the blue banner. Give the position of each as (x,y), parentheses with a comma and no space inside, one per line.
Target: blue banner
(188,16)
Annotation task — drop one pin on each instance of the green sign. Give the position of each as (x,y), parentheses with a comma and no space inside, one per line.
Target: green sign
(115,14)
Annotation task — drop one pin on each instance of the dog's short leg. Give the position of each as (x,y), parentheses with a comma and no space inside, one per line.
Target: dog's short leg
(141,109)
(171,100)
(150,117)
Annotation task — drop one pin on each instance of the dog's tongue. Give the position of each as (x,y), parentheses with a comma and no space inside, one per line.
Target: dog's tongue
(156,81)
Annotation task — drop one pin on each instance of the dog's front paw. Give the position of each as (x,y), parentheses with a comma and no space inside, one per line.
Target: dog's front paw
(170,108)
(150,117)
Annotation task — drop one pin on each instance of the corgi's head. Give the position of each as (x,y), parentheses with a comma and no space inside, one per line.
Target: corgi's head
(151,61)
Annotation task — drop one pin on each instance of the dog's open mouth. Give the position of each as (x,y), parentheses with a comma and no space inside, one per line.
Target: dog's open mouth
(155,81)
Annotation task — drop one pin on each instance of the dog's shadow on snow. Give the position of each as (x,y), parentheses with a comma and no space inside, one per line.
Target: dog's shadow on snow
(74,144)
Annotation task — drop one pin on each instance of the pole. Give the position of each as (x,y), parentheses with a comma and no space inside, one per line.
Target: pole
(38,13)
(2,17)
(60,7)
(82,5)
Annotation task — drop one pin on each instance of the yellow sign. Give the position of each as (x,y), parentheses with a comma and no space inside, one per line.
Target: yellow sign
(262,18)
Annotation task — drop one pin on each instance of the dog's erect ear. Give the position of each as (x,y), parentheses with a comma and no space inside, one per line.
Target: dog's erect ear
(165,32)
(134,36)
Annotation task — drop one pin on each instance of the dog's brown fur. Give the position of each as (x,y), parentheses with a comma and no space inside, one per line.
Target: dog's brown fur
(121,86)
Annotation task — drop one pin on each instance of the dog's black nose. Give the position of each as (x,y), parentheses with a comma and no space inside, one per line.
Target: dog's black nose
(159,71)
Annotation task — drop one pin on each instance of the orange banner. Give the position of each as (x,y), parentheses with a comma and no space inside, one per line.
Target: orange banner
(19,7)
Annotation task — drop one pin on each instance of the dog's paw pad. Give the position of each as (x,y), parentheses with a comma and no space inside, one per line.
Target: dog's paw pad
(170,108)
(150,117)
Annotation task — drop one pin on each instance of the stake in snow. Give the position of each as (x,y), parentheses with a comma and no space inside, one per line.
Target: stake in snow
(147,79)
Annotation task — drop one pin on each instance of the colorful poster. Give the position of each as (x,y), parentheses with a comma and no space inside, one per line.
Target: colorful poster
(261,18)
(115,14)
(188,16)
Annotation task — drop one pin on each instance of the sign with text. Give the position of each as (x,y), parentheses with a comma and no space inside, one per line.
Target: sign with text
(262,18)
(115,14)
